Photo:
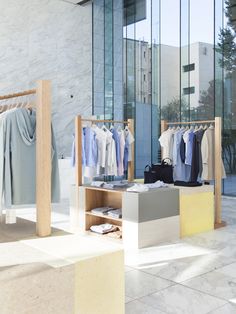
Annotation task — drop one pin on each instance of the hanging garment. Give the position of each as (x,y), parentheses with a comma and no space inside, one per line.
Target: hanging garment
(2,153)
(101,138)
(120,169)
(115,136)
(188,139)
(129,140)
(19,176)
(182,150)
(208,155)
(166,141)
(181,171)
(196,166)
(106,161)
(111,162)
(89,152)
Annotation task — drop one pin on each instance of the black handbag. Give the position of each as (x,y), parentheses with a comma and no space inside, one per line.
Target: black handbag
(164,171)
(149,175)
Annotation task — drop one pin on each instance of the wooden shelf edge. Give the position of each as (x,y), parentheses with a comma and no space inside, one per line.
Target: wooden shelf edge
(103,216)
(220,225)
(103,189)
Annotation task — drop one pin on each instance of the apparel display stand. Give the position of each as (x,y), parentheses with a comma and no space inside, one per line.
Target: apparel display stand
(159,207)
(78,146)
(43,153)
(218,160)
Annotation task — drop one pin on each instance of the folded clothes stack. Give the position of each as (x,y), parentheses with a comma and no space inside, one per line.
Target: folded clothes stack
(102,210)
(139,187)
(97,183)
(107,210)
(115,213)
(116,234)
(103,228)
(109,185)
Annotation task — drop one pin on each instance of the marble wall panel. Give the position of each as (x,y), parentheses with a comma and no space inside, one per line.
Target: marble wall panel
(49,39)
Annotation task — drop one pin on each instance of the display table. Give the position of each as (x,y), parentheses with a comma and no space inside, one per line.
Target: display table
(61,274)
(148,218)
(196,209)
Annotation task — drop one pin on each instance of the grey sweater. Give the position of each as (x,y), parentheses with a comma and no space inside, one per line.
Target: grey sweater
(18,128)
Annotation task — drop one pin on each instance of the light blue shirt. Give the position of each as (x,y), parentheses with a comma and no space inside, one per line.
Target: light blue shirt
(89,148)
(189,148)
(115,136)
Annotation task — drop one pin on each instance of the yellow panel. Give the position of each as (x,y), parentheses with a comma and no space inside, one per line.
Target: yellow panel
(196,213)
(99,285)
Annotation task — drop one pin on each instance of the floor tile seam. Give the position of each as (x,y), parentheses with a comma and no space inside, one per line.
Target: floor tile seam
(153,292)
(155,308)
(212,311)
(207,293)
(179,282)
(155,276)
(226,265)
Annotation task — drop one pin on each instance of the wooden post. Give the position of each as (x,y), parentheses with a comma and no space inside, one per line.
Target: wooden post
(43,158)
(163,126)
(131,163)
(218,173)
(78,151)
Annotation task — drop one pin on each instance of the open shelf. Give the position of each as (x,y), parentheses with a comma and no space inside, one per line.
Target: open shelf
(97,197)
(103,216)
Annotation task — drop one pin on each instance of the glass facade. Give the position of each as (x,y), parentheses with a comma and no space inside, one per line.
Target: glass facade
(107,59)
(178,64)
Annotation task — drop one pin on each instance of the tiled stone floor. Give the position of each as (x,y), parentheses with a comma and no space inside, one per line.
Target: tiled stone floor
(193,275)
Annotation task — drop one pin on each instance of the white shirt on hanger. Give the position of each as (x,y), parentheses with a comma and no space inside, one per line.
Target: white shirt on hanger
(122,151)
(208,155)
(166,141)
(111,164)
(130,140)
(106,151)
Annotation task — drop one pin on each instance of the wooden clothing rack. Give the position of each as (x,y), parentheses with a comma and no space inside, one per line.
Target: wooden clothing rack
(78,146)
(218,160)
(43,153)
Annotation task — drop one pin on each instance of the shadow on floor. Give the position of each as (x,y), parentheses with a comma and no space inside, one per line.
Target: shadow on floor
(21,230)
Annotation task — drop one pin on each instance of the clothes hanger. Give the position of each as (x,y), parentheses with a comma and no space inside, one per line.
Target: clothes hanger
(104,128)
(112,127)
(94,125)
(205,126)
(119,128)
(28,105)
